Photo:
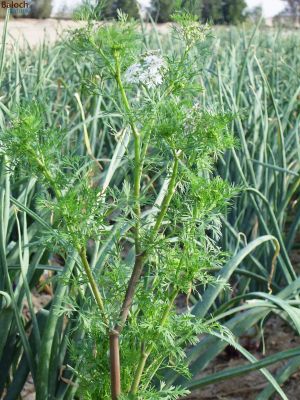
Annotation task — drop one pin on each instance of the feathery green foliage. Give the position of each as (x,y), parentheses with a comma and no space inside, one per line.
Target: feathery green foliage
(78,211)
(70,330)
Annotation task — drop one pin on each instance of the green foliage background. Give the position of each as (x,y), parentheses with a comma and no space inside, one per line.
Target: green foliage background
(40,9)
(218,11)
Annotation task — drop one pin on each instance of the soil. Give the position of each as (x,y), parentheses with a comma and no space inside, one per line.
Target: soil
(278,337)
(32,32)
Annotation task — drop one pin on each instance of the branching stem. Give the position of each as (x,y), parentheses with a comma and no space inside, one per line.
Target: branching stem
(139,260)
(86,266)
(142,257)
(81,251)
(140,254)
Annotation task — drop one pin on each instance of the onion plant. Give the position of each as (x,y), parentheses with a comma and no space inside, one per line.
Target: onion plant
(260,87)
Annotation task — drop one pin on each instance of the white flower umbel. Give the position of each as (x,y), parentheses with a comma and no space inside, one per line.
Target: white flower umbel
(149,71)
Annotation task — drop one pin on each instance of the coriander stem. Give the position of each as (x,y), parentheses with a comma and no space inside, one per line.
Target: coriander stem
(139,372)
(54,186)
(92,282)
(137,270)
(81,251)
(145,353)
(167,198)
(114,340)
(137,188)
(141,257)
(137,156)
(134,279)
(124,96)
(114,364)
(145,146)
(47,176)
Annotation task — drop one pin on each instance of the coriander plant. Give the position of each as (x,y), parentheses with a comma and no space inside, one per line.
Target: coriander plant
(164,217)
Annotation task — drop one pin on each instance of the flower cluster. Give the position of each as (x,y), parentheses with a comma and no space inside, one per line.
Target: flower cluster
(149,71)
(190,29)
